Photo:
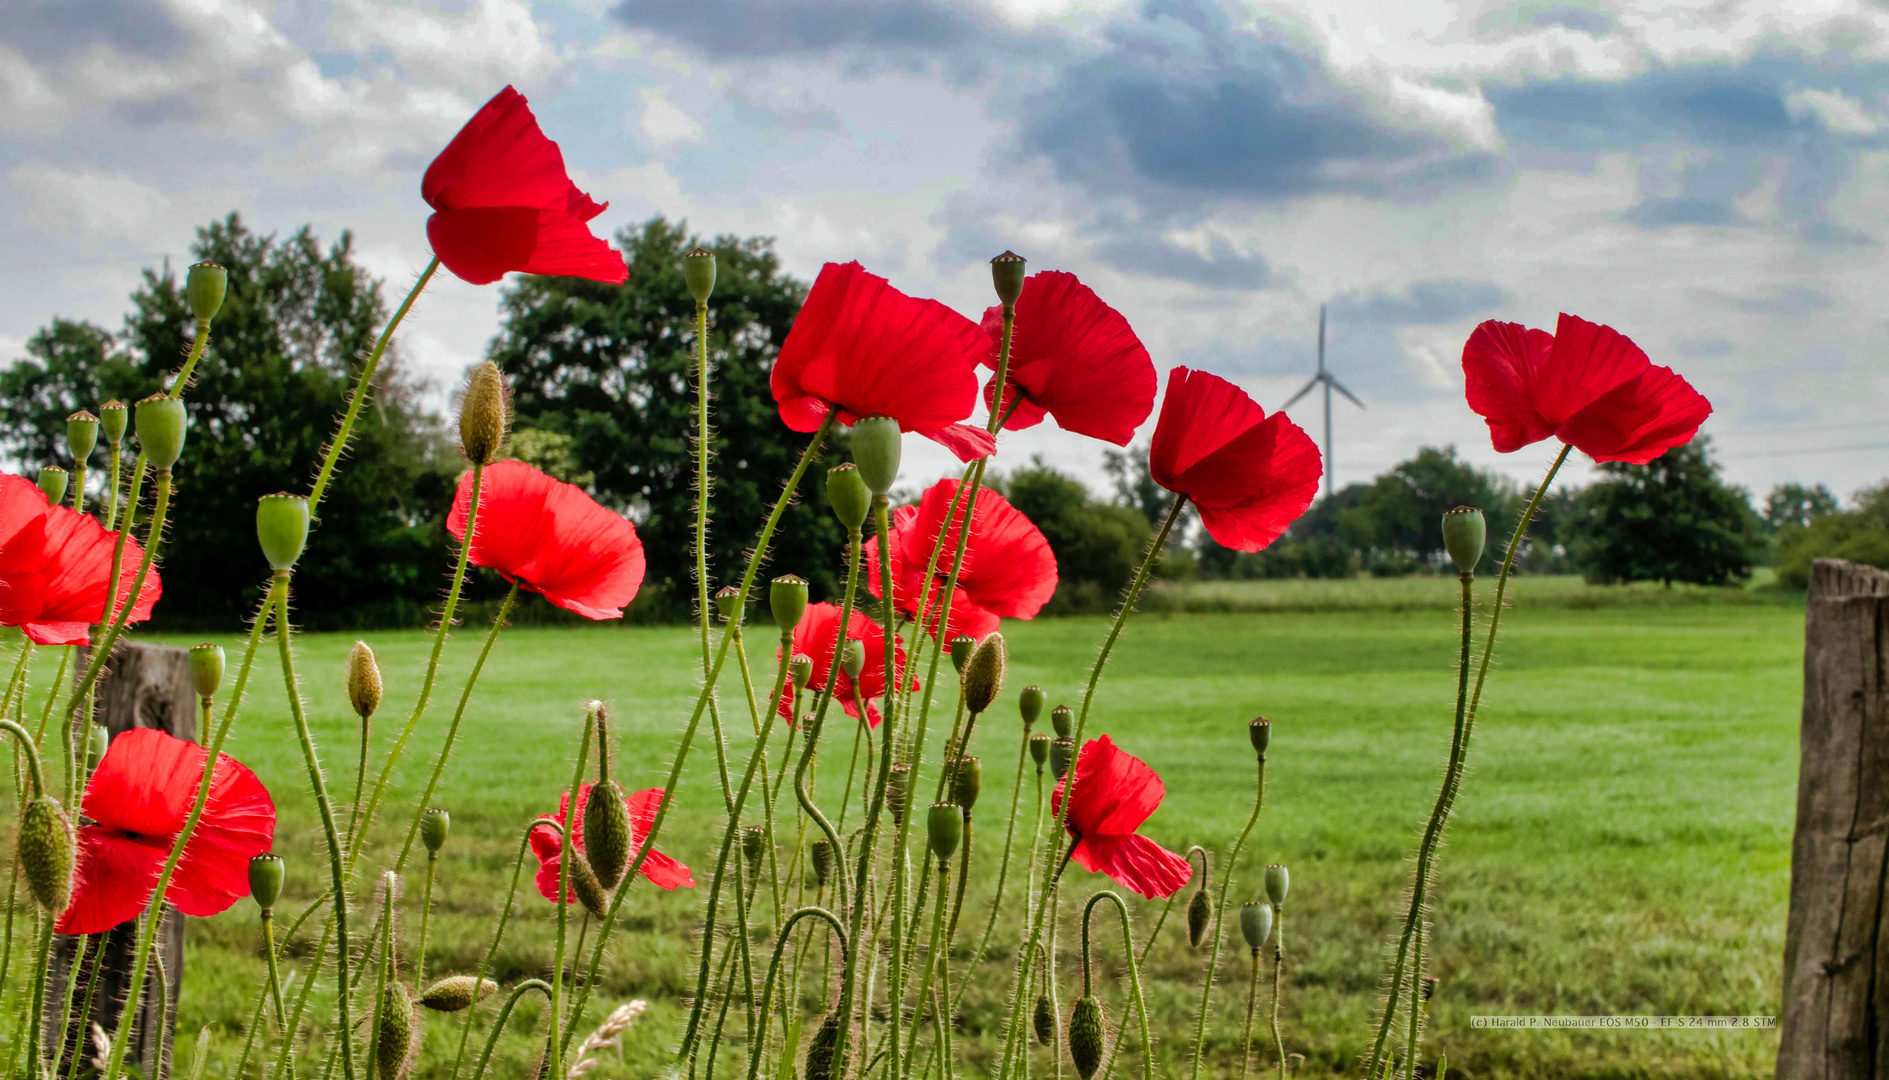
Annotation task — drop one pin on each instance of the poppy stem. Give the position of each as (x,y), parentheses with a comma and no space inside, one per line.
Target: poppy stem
(82,693)
(1168,908)
(758,1042)
(117,459)
(24,739)
(498,936)
(504,1015)
(383,971)
(1252,1009)
(1278,968)
(426,912)
(1219,909)
(567,850)
(1134,981)
(1003,866)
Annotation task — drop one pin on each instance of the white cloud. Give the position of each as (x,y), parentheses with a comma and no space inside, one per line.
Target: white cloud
(664,122)
(1836,112)
(97,206)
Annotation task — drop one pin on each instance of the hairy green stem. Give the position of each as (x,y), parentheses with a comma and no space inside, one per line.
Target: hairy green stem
(567,851)
(1219,910)
(498,935)
(504,1015)
(1134,979)
(1278,966)
(758,1041)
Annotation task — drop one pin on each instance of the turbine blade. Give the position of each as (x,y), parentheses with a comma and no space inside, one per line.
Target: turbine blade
(1306,389)
(1340,387)
(1321,339)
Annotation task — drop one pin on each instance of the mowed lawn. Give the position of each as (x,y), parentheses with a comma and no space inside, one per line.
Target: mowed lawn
(1622,845)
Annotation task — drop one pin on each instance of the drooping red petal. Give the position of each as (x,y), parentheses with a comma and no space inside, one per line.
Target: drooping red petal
(1638,420)
(1136,862)
(1249,474)
(1588,361)
(1502,365)
(566,248)
(1008,568)
(145,783)
(1076,358)
(115,877)
(54,573)
(1024,413)
(1115,791)
(21,503)
(966,441)
(551,538)
(238,824)
(482,244)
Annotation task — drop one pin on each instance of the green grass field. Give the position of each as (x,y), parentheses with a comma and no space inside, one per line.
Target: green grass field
(1622,845)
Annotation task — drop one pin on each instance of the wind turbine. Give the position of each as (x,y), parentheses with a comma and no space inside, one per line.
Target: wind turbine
(1330,384)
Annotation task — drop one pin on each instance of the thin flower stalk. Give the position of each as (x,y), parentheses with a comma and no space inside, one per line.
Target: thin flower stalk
(1219,910)
(757,1043)
(1278,969)
(498,936)
(505,1015)
(1134,980)
(567,850)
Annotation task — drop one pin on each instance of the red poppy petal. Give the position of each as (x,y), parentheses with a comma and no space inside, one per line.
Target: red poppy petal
(1249,490)
(21,503)
(547,881)
(1200,414)
(58,633)
(1640,419)
(1588,361)
(642,806)
(967,442)
(482,244)
(1077,358)
(546,841)
(1502,363)
(1024,413)
(145,783)
(501,158)
(551,538)
(567,248)
(238,824)
(116,874)
(56,568)
(1015,572)
(1140,864)
(666,873)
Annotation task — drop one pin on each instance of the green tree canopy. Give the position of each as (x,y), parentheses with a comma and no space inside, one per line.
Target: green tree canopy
(1797,504)
(1673,519)
(1097,545)
(1859,535)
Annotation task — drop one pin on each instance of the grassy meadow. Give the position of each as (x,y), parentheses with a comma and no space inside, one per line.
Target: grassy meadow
(1622,845)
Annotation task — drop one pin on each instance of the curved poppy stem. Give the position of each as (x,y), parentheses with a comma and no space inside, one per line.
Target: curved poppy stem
(504,1016)
(102,652)
(1219,910)
(818,723)
(1278,967)
(759,1042)
(498,936)
(1134,979)
(24,739)
(1168,908)
(566,852)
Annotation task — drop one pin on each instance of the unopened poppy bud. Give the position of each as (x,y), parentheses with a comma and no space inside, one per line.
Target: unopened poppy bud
(394,1038)
(363,680)
(963,647)
(206,669)
(266,872)
(435,824)
(205,284)
(984,675)
(801,670)
(52,483)
(46,851)
(898,785)
(586,888)
(1255,924)
(161,426)
(727,602)
(457,992)
(754,847)
(820,1051)
(1039,749)
(282,528)
(112,417)
(1277,882)
(1061,753)
(698,269)
(81,435)
(1260,731)
(1030,704)
(787,599)
(944,827)
(1429,986)
(1063,719)
(1199,917)
(966,782)
(853,660)
(822,861)
(607,832)
(847,494)
(96,745)
(1085,1035)
(1044,1019)
(1464,534)
(1006,273)
(484,415)
(876,449)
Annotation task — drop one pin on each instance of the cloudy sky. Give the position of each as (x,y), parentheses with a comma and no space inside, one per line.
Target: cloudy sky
(1705,175)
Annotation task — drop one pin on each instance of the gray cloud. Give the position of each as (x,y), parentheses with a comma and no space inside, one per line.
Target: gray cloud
(1222,268)
(50,29)
(1421,303)
(750,29)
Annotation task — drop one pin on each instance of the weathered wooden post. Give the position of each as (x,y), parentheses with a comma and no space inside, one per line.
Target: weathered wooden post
(144,686)
(1836,955)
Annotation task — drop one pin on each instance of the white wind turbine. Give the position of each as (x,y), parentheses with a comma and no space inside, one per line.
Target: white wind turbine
(1324,378)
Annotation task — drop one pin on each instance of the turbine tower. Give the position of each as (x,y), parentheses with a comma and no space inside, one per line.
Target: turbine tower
(1324,377)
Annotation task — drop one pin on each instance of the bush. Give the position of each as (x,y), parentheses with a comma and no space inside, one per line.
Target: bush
(1860,535)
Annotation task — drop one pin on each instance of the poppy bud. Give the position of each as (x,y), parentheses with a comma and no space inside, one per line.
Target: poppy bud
(1039,749)
(1063,719)
(801,670)
(984,675)
(1260,731)
(826,1040)
(698,269)
(787,599)
(1061,752)
(1085,1035)
(853,660)
(876,448)
(1006,273)
(846,493)
(266,872)
(1044,1019)
(1030,704)
(46,851)
(822,861)
(898,784)
(282,528)
(435,824)
(206,668)
(395,1036)
(1255,924)
(363,680)
(95,746)
(111,420)
(1277,882)
(456,992)
(1429,986)
(944,826)
(1199,916)
(161,427)
(607,832)
(727,602)
(484,415)
(1464,534)
(963,647)
(585,886)
(81,435)
(966,782)
(52,484)
(754,847)
(204,286)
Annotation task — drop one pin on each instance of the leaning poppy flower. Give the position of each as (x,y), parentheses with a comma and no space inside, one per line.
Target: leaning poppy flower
(1586,384)
(661,870)
(815,638)
(55,565)
(1008,571)
(1071,357)
(551,538)
(1249,474)
(503,202)
(136,805)
(862,345)
(1115,793)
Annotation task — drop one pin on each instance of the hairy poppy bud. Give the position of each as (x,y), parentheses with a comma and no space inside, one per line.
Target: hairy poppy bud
(1260,731)
(363,680)
(1199,917)
(727,602)
(112,417)
(456,992)
(876,448)
(81,436)
(1061,753)
(822,861)
(853,660)
(826,1041)
(52,483)
(282,528)
(96,745)
(787,599)
(1277,882)
(1030,704)
(607,832)
(944,827)
(1255,924)
(206,669)
(963,647)
(435,824)
(1085,1035)
(484,414)
(898,785)
(1044,1019)
(984,675)
(1063,719)
(1464,534)
(698,269)
(1039,749)
(585,886)
(801,670)
(46,850)
(1006,273)
(847,494)
(394,1038)
(966,782)
(161,426)
(205,284)
(754,847)
(266,872)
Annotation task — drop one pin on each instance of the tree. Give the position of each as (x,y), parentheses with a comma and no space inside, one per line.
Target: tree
(1859,535)
(1673,519)
(263,404)
(609,370)
(1097,546)
(1798,505)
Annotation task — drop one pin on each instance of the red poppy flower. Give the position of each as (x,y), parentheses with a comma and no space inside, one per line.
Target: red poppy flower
(1115,793)
(1249,474)
(55,564)
(868,348)
(815,638)
(502,202)
(1072,357)
(136,804)
(661,870)
(1586,384)
(551,538)
(1009,570)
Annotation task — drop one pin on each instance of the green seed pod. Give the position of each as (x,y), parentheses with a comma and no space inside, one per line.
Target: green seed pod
(801,670)
(1086,1036)
(1277,882)
(876,448)
(206,669)
(1256,924)
(966,782)
(112,417)
(847,494)
(95,746)
(484,414)
(820,1051)
(607,832)
(586,888)
(1039,749)
(822,861)
(46,850)
(944,826)
(81,436)
(754,848)
(435,824)
(1464,534)
(1006,274)
(1045,1020)
(205,284)
(1260,731)
(698,269)
(898,784)
(727,602)
(266,872)
(787,599)
(1061,753)
(1063,719)
(52,483)
(394,1039)
(984,675)
(853,659)
(1199,917)
(282,528)
(962,648)
(456,992)
(162,424)
(364,685)
(1030,704)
